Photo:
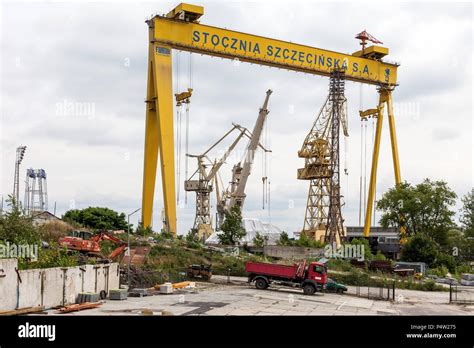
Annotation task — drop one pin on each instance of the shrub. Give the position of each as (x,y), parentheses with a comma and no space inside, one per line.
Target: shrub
(440,271)
(53,230)
(379,256)
(54,256)
(446,261)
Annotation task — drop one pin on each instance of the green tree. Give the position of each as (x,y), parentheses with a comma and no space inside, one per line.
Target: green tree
(363,242)
(459,246)
(232,230)
(424,208)
(467,214)
(420,248)
(258,240)
(305,241)
(15,227)
(284,239)
(97,218)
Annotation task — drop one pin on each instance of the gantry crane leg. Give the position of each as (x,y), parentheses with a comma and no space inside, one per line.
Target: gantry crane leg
(385,98)
(375,161)
(393,138)
(159,135)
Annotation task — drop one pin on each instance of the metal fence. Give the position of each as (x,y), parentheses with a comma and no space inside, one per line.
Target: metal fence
(385,292)
(461,294)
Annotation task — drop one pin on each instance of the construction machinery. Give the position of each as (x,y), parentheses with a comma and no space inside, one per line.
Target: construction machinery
(202,185)
(235,194)
(323,220)
(180,30)
(199,271)
(91,247)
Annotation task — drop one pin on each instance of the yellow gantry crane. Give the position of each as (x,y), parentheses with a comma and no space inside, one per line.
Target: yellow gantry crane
(180,30)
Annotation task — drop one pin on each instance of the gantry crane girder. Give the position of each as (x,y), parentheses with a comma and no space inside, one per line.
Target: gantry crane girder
(180,30)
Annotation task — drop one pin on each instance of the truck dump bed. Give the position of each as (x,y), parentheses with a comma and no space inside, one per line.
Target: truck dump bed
(274,270)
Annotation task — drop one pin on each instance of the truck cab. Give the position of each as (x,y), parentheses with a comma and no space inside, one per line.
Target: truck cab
(317,272)
(315,278)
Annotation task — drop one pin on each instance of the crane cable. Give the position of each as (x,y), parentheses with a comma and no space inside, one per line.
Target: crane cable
(346,153)
(268,166)
(363,160)
(264,168)
(186,165)
(178,149)
(178,128)
(360,173)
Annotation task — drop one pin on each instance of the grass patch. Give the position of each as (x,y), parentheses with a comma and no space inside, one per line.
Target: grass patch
(358,278)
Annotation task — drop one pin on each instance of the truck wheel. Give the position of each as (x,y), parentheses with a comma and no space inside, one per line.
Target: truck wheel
(261,284)
(309,289)
(340,291)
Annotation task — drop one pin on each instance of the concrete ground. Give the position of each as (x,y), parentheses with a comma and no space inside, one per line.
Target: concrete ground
(238,298)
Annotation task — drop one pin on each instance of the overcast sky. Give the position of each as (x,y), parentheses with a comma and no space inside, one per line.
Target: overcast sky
(94,54)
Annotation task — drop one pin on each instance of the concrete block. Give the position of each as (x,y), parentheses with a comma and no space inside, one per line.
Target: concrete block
(118,294)
(100,278)
(53,287)
(71,284)
(467,276)
(8,284)
(87,297)
(30,288)
(138,292)
(88,278)
(467,282)
(166,288)
(114,276)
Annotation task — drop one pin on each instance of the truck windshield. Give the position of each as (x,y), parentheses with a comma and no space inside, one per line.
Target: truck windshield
(318,269)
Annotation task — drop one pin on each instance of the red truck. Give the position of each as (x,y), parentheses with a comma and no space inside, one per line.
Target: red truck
(311,277)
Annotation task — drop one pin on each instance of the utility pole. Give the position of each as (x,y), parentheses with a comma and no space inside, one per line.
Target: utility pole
(20,153)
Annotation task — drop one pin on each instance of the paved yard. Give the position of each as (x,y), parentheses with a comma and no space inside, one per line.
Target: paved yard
(237,298)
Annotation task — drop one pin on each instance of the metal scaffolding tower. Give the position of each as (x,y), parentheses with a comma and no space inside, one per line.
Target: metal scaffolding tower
(334,227)
(36,191)
(321,153)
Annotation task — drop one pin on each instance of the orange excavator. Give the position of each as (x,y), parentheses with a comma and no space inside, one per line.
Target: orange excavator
(91,247)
